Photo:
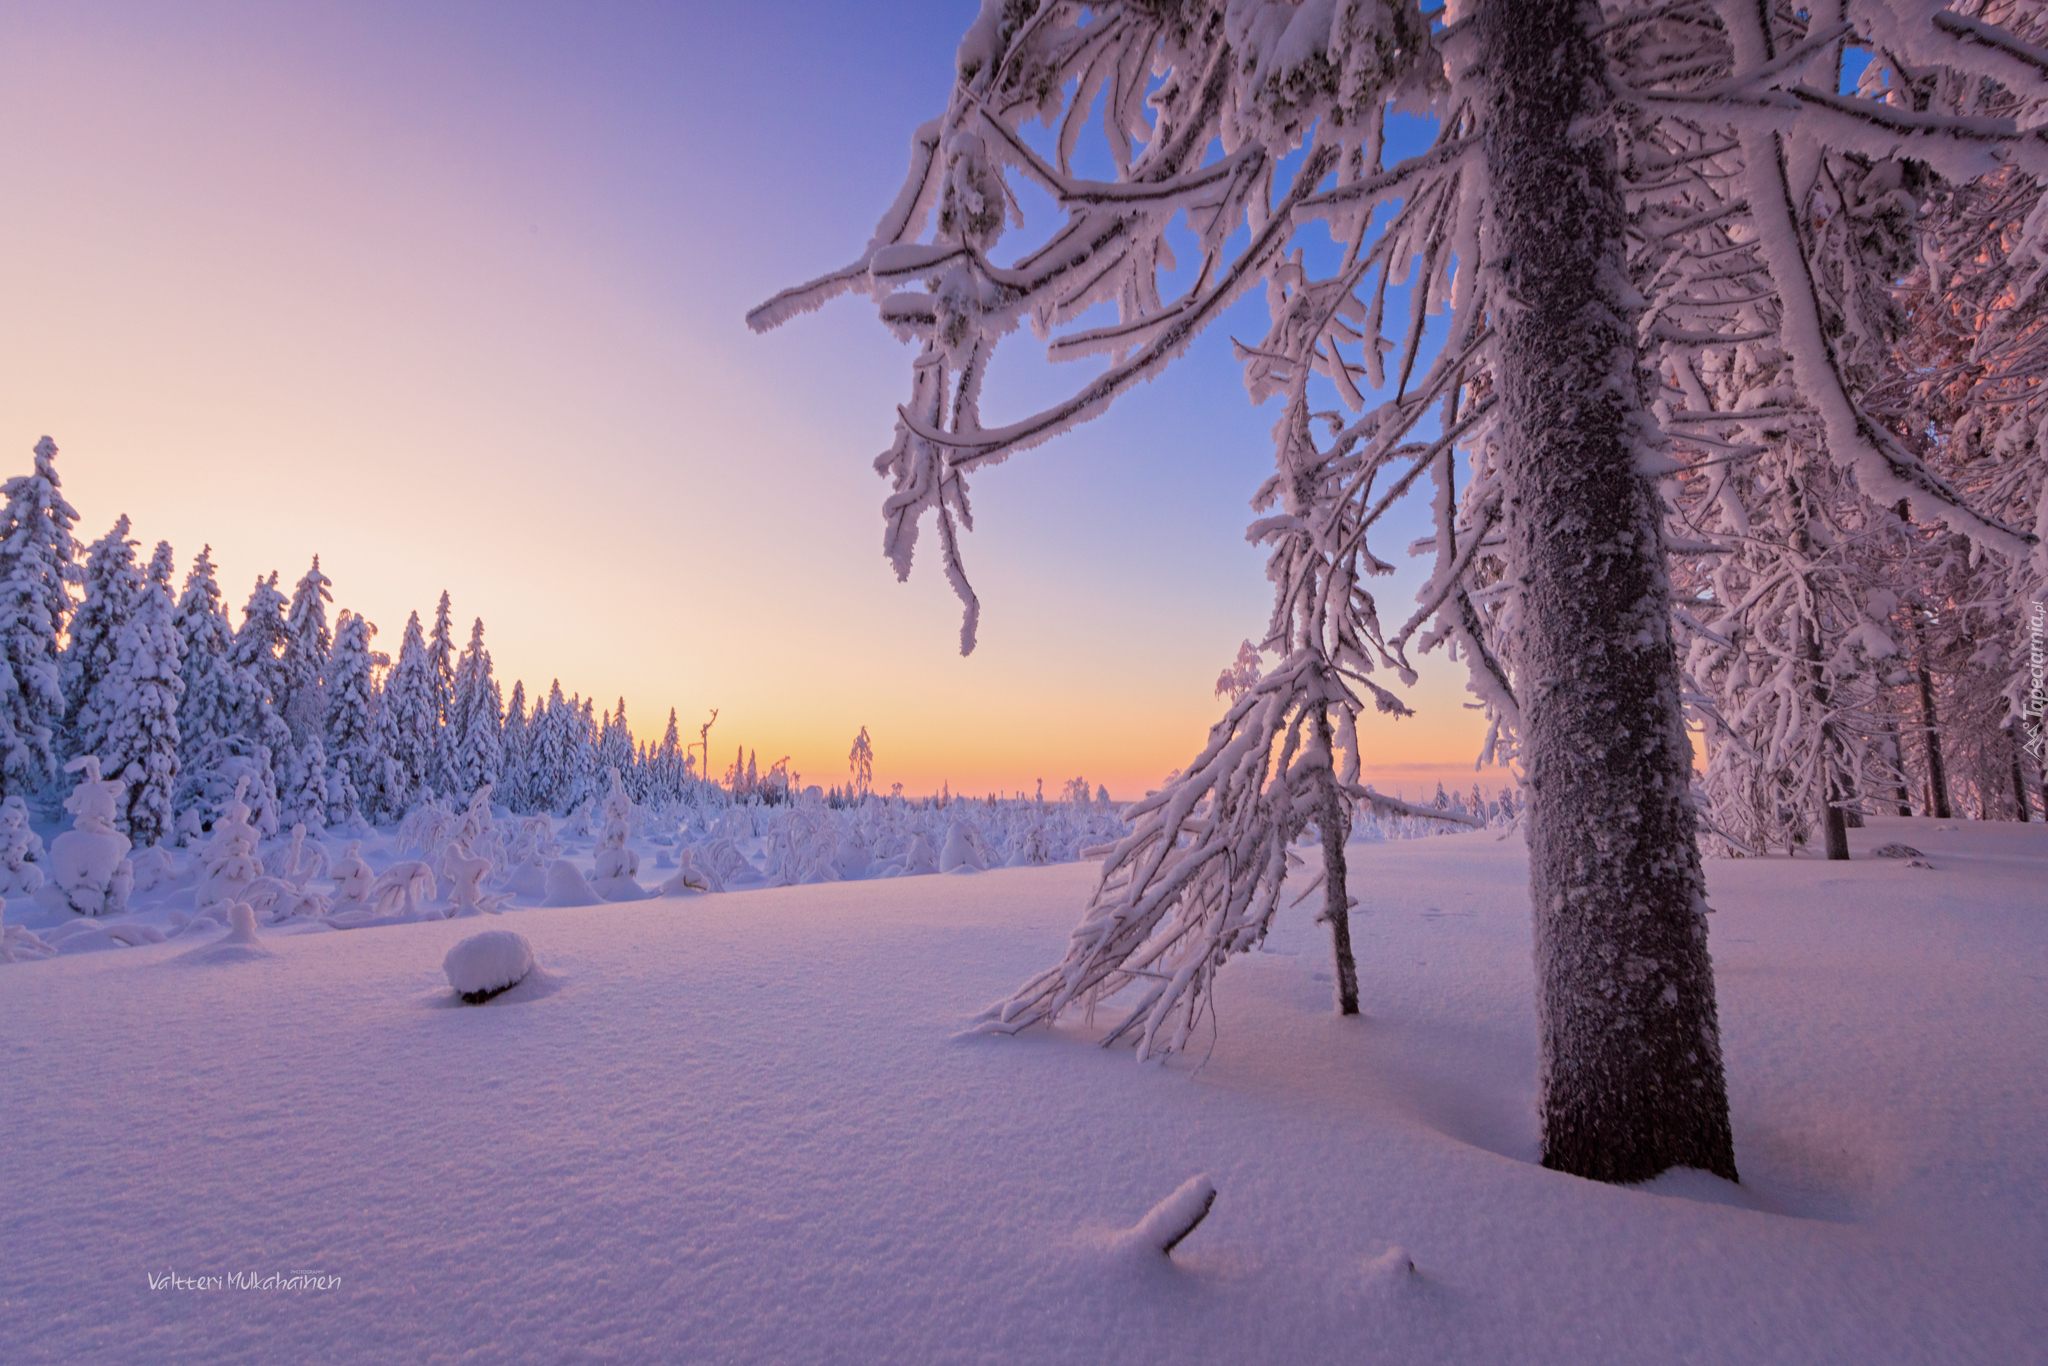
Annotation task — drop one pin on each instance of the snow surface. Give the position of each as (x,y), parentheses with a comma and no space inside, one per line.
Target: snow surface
(745,1128)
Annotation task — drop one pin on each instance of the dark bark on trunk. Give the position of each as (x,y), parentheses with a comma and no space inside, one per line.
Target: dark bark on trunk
(2019,790)
(1832,820)
(1837,823)
(1631,1057)
(1937,775)
(1336,828)
(1898,758)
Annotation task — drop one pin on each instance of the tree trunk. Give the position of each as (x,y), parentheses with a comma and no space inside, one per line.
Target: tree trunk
(2019,790)
(1336,827)
(1898,758)
(1832,821)
(1631,1079)
(1937,775)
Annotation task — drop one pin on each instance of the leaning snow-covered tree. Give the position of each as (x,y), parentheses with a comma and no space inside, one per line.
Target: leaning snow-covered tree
(1582,182)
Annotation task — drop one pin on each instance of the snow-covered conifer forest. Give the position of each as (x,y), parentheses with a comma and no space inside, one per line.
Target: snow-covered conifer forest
(259,762)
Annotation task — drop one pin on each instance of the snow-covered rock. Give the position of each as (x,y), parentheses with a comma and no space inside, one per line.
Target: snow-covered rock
(485,964)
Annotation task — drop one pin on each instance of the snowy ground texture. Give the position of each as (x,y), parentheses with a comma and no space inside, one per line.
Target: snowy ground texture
(741,1128)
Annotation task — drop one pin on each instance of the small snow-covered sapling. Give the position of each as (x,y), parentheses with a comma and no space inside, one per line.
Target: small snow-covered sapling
(89,862)
(353,879)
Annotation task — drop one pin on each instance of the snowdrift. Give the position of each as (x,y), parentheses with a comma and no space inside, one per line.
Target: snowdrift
(749,1133)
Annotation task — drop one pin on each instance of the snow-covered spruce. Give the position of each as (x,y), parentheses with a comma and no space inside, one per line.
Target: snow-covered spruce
(485,964)
(1255,124)
(36,553)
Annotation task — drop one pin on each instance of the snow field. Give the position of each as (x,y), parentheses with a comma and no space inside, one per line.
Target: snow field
(743,1128)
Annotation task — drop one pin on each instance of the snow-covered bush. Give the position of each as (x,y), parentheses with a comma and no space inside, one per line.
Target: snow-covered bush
(20,847)
(229,859)
(89,862)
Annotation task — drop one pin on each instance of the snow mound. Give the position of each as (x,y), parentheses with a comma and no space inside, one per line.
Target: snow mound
(1392,1267)
(485,964)
(566,886)
(241,924)
(619,888)
(958,856)
(238,945)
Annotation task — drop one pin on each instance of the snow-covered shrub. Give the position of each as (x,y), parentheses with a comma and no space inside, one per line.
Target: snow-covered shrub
(229,857)
(89,862)
(353,880)
(616,863)
(20,847)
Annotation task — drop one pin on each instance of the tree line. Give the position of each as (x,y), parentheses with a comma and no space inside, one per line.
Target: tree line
(100,655)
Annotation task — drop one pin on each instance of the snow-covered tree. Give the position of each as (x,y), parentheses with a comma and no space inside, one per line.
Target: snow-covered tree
(351,726)
(307,802)
(580,775)
(112,585)
(475,743)
(665,764)
(207,709)
(614,744)
(861,761)
(441,681)
(37,551)
(344,800)
(258,682)
(408,726)
(303,662)
(550,740)
(1561,129)
(138,703)
(513,788)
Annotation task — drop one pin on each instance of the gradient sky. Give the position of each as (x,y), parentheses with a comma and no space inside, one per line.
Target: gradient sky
(452,295)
